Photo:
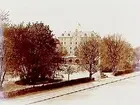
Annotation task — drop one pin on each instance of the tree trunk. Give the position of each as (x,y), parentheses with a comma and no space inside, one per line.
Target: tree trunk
(90,71)
(2,79)
(101,73)
(68,76)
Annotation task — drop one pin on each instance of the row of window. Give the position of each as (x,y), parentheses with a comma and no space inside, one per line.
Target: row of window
(70,43)
(84,34)
(63,34)
(71,49)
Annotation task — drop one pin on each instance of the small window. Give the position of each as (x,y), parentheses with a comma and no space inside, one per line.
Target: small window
(62,34)
(68,34)
(61,42)
(75,42)
(70,42)
(70,47)
(85,34)
(64,42)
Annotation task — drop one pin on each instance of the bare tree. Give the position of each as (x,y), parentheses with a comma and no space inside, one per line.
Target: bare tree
(4,21)
(70,69)
(4,17)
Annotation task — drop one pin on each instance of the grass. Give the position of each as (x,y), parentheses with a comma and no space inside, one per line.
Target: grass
(12,86)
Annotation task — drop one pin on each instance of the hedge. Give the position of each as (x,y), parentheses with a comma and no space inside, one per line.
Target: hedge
(46,87)
(117,73)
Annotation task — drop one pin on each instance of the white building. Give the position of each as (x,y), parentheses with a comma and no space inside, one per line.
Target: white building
(71,40)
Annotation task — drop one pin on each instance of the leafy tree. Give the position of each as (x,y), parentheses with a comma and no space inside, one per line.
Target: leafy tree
(116,53)
(30,52)
(63,51)
(88,52)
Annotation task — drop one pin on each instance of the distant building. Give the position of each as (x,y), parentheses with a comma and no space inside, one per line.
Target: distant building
(71,40)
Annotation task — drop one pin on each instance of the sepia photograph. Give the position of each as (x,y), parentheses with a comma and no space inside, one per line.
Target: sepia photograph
(69,52)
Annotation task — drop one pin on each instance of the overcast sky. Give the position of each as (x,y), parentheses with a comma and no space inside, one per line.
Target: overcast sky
(102,16)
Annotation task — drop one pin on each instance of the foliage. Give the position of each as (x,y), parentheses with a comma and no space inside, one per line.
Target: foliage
(30,51)
(116,53)
(88,52)
(63,51)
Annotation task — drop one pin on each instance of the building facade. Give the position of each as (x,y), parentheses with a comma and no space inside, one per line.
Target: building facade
(71,40)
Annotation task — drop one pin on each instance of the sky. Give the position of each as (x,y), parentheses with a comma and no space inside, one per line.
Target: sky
(102,16)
